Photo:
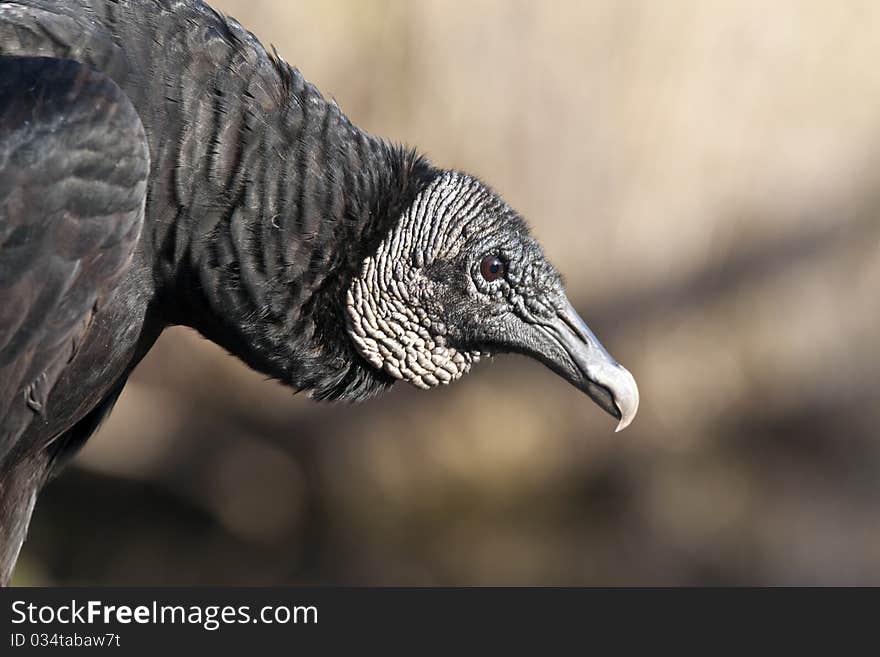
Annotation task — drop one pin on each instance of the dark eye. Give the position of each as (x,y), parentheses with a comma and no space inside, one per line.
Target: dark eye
(492,268)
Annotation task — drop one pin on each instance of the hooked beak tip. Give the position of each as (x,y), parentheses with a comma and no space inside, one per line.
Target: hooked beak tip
(626,398)
(619,394)
(567,345)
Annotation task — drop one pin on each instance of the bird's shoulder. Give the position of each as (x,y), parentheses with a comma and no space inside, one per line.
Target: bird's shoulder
(73,172)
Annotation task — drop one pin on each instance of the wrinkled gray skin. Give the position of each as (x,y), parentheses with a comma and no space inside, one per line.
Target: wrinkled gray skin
(422,311)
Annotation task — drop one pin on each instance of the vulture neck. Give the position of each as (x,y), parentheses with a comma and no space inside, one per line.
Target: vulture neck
(282,202)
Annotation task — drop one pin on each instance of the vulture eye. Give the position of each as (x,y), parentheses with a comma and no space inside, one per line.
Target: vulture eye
(492,268)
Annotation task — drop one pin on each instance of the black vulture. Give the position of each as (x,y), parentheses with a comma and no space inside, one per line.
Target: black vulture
(158,166)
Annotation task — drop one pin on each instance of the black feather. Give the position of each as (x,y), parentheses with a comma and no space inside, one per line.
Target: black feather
(262,201)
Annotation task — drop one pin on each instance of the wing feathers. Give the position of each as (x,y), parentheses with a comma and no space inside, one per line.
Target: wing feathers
(73,172)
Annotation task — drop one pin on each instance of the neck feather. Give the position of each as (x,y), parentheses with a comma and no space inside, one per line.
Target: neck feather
(291,199)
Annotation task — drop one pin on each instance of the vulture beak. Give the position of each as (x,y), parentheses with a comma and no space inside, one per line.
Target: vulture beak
(570,349)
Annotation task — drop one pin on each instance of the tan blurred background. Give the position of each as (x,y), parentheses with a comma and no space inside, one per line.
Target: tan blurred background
(706,176)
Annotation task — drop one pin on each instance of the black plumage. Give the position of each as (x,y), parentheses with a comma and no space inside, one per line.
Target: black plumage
(158,167)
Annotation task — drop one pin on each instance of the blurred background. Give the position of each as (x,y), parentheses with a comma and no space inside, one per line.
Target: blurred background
(706,176)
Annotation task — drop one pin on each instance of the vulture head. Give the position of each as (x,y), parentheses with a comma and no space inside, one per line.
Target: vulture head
(458,278)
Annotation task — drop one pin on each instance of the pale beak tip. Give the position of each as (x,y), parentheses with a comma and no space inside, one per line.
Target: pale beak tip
(626,399)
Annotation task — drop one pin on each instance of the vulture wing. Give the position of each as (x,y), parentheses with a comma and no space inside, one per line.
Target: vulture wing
(73,175)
